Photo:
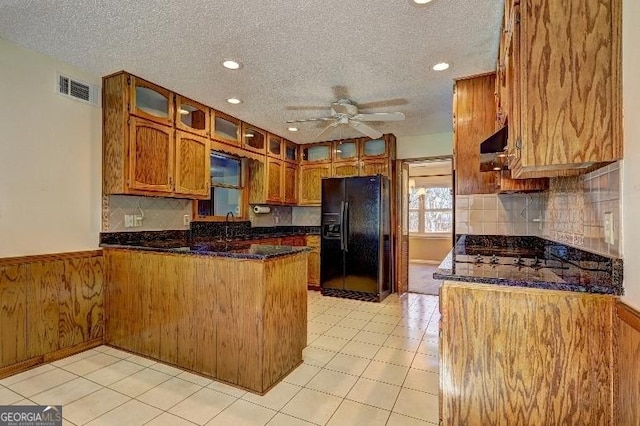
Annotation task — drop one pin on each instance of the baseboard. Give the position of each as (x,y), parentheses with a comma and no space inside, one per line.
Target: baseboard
(426,262)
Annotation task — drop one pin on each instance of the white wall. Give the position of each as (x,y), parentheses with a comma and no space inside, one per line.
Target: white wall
(631,164)
(50,158)
(433,145)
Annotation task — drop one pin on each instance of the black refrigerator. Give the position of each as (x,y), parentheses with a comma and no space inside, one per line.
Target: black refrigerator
(355,245)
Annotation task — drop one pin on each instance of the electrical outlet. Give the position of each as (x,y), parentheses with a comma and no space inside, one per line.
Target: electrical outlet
(608,228)
(128,221)
(186,220)
(276,219)
(137,220)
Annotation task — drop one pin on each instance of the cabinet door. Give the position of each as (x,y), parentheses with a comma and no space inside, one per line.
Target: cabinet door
(192,117)
(151,102)
(290,152)
(290,183)
(345,150)
(345,169)
(224,128)
(316,153)
(274,180)
(274,146)
(374,148)
(150,156)
(192,165)
(374,167)
(311,183)
(253,139)
(313,271)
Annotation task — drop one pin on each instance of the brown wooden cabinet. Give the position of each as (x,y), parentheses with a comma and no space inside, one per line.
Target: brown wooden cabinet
(313,271)
(361,157)
(272,181)
(225,129)
(275,175)
(254,139)
(275,146)
(565,101)
(148,157)
(311,175)
(192,117)
(290,151)
(290,183)
(315,153)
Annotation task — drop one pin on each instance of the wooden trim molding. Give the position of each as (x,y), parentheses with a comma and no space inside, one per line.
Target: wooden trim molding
(626,381)
(628,315)
(50,257)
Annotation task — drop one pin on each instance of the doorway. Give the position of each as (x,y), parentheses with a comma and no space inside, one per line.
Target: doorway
(430,213)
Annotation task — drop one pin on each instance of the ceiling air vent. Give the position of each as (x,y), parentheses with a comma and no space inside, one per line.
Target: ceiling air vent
(77,89)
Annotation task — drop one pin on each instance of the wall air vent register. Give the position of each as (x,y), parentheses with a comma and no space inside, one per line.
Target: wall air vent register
(77,89)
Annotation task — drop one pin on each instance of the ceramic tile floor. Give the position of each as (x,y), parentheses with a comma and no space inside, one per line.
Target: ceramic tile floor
(365,364)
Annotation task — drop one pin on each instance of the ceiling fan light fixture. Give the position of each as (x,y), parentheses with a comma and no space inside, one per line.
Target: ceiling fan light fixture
(440,66)
(292,129)
(231,64)
(234,101)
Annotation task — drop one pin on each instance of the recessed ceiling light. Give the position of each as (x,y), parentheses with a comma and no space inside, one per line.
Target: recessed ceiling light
(184,111)
(421,1)
(234,101)
(231,64)
(292,129)
(440,66)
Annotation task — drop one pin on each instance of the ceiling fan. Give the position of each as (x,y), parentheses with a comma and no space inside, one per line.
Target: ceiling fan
(345,111)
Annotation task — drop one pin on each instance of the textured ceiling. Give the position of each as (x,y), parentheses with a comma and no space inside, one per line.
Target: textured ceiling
(298,55)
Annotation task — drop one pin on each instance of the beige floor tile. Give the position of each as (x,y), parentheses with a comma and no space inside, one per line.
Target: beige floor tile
(333,382)
(415,323)
(317,356)
(66,392)
(114,352)
(426,362)
(374,393)
(243,413)
(114,372)
(66,422)
(421,405)
(348,364)
(40,383)
(317,327)
(131,413)
(169,393)
(407,333)
(386,319)
(8,397)
(167,369)
(140,360)
(203,405)
(313,406)
(228,389)
(76,357)
(140,382)
(397,342)
(395,356)
(341,332)
(379,327)
(354,413)
(386,373)
(314,310)
(276,398)
(370,337)
(399,420)
(329,343)
(168,419)
(370,307)
(361,315)
(425,381)
(281,419)
(339,311)
(302,374)
(354,323)
(8,381)
(93,405)
(311,337)
(429,348)
(360,349)
(327,319)
(90,364)
(194,378)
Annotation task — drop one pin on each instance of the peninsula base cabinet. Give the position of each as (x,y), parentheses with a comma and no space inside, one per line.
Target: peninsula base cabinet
(522,356)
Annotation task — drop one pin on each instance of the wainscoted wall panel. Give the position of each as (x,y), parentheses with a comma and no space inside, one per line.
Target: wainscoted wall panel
(627,373)
(49,305)
(159,213)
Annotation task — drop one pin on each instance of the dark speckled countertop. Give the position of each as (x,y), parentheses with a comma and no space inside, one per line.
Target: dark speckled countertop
(544,264)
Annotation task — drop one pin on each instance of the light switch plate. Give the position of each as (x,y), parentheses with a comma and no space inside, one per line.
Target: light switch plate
(128,221)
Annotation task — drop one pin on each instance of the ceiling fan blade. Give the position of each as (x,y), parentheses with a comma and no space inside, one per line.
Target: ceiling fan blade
(383,104)
(367,130)
(304,120)
(379,116)
(330,126)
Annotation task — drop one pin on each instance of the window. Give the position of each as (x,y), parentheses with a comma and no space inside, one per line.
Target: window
(430,210)
(227,187)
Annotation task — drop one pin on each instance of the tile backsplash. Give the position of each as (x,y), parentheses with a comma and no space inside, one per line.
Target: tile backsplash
(287,215)
(159,213)
(572,211)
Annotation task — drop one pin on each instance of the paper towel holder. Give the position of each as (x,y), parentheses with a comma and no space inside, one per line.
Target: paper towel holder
(261,209)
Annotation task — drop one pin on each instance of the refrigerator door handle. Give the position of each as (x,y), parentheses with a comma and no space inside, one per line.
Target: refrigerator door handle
(342,225)
(346,226)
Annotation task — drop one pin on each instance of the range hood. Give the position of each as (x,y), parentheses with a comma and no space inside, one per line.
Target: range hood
(493,151)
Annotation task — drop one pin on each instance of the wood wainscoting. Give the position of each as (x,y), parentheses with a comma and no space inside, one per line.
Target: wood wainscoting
(627,367)
(51,306)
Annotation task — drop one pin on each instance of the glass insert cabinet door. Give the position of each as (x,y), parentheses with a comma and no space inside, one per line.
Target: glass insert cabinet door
(346,150)
(374,148)
(225,128)
(151,102)
(320,152)
(191,116)
(291,152)
(253,139)
(275,146)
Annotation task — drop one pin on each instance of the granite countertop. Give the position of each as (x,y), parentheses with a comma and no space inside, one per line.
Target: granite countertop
(560,267)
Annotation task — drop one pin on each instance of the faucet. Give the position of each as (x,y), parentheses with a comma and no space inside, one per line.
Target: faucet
(226,224)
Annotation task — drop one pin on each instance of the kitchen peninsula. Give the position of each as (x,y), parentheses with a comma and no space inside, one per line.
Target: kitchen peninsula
(232,311)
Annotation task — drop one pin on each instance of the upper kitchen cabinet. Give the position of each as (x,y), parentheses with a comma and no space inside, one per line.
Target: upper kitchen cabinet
(290,151)
(346,150)
(374,148)
(225,129)
(315,153)
(310,192)
(144,157)
(565,106)
(274,146)
(192,117)
(150,101)
(253,139)
(362,156)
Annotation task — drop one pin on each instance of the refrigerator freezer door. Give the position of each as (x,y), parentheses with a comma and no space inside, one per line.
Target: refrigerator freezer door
(362,225)
(332,241)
